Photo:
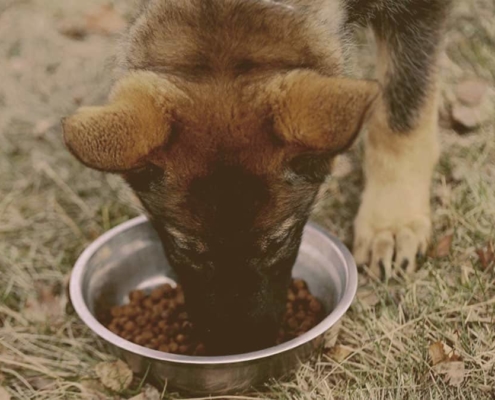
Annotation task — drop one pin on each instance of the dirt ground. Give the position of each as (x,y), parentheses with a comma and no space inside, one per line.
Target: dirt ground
(429,336)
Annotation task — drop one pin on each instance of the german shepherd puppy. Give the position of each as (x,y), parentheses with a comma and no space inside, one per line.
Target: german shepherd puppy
(224,119)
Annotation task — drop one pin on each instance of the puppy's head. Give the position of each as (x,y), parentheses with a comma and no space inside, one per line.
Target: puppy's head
(228,172)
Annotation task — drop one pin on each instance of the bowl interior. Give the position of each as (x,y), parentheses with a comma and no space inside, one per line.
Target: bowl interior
(134,259)
(130,256)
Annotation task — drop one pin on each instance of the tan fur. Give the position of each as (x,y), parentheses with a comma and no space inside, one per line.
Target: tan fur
(117,136)
(320,113)
(394,216)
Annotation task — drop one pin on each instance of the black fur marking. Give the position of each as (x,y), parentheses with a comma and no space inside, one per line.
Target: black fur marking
(314,168)
(412,31)
(141,179)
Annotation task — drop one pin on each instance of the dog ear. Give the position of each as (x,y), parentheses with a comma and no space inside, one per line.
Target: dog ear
(318,113)
(118,136)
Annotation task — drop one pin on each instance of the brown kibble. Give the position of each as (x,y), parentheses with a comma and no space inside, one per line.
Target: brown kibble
(148,303)
(180,338)
(157,294)
(315,306)
(116,312)
(292,323)
(121,321)
(183,349)
(167,289)
(299,284)
(302,295)
(139,340)
(136,296)
(114,328)
(130,326)
(159,321)
(162,325)
(162,339)
(300,316)
(164,348)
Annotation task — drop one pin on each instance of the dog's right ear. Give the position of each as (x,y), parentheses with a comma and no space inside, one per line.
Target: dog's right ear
(319,113)
(118,136)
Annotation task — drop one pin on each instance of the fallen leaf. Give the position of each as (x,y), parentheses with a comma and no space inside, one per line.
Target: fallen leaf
(339,353)
(4,395)
(149,393)
(442,249)
(471,92)
(94,389)
(466,119)
(454,371)
(44,305)
(445,361)
(486,255)
(73,29)
(367,297)
(437,353)
(105,20)
(115,375)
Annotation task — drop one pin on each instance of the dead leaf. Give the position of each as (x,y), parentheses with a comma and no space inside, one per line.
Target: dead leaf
(437,353)
(367,297)
(149,393)
(44,305)
(105,20)
(4,395)
(486,255)
(471,92)
(115,375)
(339,353)
(442,249)
(94,389)
(447,362)
(466,119)
(453,371)
(73,29)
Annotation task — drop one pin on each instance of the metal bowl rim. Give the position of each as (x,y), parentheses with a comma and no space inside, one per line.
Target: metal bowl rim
(87,317)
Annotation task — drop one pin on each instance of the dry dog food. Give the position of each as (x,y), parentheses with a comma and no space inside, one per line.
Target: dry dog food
(159,320)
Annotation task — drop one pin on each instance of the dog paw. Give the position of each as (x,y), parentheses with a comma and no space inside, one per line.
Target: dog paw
(386,238)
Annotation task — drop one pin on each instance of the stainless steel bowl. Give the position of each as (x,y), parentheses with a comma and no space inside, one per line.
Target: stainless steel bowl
(130,256)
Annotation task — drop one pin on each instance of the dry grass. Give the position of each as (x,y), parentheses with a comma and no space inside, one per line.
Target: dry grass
(51,208)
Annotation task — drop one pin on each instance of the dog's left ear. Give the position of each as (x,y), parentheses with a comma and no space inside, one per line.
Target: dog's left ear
(319,113)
